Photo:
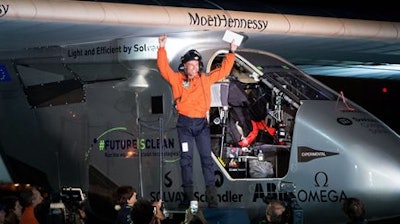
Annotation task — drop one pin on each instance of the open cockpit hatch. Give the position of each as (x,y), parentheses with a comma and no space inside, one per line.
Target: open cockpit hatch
(253,112)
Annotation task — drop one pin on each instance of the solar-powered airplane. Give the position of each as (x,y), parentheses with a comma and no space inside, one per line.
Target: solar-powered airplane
(83,102)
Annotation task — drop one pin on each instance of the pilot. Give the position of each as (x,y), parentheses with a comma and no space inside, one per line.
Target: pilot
(191,89)
(259,128)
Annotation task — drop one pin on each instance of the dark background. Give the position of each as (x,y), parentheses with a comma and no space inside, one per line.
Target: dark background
(385,10)
(369,94)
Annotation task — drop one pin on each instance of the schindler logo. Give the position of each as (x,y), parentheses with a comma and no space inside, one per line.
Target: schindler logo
(3,9)
(305,154)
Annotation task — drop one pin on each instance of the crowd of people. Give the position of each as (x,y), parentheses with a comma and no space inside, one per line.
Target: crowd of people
(31,207)
(131,210)
(276,212)
(138,211)
(10,210)
(24,208)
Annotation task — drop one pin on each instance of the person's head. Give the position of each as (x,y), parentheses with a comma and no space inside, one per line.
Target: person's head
(143,212)
(12,206)
(274,211)
(354,209)
(125,195)
(31,196)
(191,63)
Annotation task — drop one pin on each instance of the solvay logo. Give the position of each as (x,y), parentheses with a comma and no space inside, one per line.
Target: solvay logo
(3,9)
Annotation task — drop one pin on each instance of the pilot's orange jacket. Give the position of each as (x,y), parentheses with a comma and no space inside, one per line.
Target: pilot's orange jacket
(192,97)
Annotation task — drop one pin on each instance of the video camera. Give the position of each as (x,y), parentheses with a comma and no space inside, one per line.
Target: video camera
(64,208)
(70,194)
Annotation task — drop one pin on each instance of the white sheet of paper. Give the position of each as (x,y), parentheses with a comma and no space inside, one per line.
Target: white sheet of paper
(185,147)
(229,36)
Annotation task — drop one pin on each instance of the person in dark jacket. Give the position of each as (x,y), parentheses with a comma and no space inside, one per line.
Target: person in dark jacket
(274,213)
(354,210)
(13,209)
(125,198)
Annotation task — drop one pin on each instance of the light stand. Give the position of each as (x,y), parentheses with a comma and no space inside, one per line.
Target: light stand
(139,84)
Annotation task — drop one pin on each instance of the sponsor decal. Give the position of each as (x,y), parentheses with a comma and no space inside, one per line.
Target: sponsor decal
(226,196)
(268,190)
(111,50)
(177,196)
(118,142)
(344,121)
(122,49)
(221,20)
(322,192)
(371,124)
(4,9)
(305,154)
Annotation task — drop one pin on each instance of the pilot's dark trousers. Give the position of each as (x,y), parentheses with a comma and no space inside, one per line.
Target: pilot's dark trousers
(193,131)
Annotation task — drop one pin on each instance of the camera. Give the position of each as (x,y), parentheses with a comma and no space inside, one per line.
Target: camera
(194,207)
(70,194)
(66,206)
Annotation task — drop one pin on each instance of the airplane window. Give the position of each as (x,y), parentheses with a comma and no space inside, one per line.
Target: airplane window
(55,93)
(157,105)
(285,77)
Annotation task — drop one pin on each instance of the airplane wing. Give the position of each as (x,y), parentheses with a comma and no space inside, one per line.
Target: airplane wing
(319,45)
